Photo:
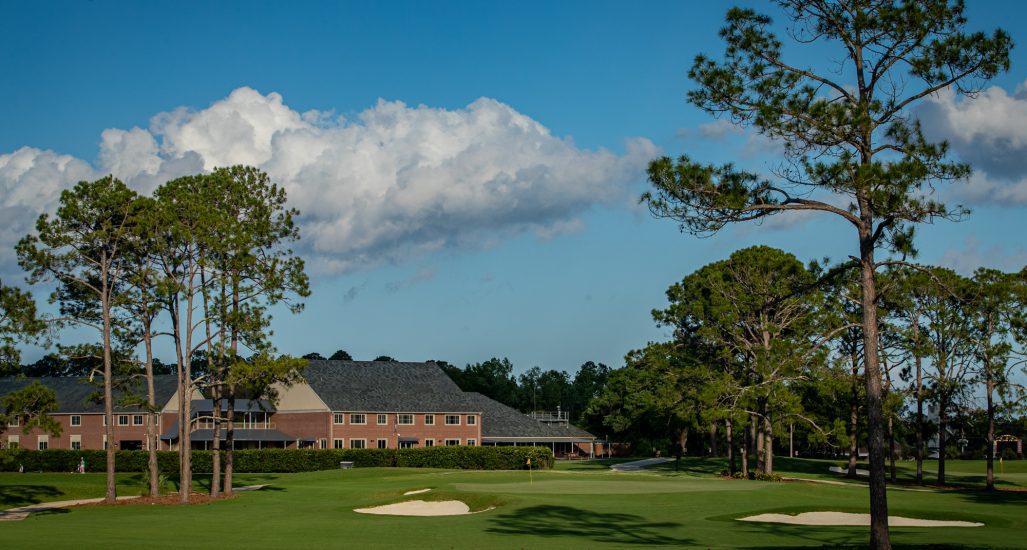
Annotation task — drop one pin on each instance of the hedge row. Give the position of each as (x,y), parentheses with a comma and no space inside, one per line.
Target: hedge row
(288,460)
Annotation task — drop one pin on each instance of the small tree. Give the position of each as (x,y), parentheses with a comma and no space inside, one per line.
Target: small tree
(18,321)
(30,407)
(851,149)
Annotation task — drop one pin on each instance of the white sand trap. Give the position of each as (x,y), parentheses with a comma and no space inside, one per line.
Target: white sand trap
(845,518)
(416,492)
(419,508)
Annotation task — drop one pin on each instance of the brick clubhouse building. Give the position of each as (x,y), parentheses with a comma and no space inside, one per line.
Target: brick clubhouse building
(340,404)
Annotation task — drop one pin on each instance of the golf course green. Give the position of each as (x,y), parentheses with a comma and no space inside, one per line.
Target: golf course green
(581,504)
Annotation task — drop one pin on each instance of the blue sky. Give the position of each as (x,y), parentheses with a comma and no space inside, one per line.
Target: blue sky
(468,172)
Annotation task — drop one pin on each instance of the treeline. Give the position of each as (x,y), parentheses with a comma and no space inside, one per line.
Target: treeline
(535,389)
(200,262)
(768,357)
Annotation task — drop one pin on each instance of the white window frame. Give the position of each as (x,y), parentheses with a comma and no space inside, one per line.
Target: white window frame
(472,420)
(43,442)
(383,419)
(141,418)
(361,441)
(405,416)
(123,417)
(452,417)
(338,419)
(76,420)
(406,445)
(472,443)
(14,423)
(13,442)
(429,420)
(322,443)
(338,443)
(75,438)
(362,419)
(383,443)
(452,442)
(430,442)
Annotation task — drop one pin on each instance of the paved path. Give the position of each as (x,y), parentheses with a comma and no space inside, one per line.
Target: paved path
(638,464)
(16,514)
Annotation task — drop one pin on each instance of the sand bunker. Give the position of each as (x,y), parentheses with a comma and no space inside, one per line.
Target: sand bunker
(416,492)
(845,518)
(419,508)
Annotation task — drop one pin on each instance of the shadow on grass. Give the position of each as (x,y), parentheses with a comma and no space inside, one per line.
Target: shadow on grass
(12,496)
(995,497)
(578,524)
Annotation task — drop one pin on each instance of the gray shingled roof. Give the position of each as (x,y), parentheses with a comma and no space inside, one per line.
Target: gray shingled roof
(502,423)
(73,393)
(377,386)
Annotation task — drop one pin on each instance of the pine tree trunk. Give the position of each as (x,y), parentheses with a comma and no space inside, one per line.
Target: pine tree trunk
(760,439)
(853,416)
(990,383)
(879,538)
(768,447)
(229,440)
(731,469)
(215,443)
(108,397)
(942,438)
(919,419)
(152,415)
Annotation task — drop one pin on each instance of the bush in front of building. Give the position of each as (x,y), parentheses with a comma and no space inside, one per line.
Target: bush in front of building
(476,458)
(286,460)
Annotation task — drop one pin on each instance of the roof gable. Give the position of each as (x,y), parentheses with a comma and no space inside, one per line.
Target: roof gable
(385,387)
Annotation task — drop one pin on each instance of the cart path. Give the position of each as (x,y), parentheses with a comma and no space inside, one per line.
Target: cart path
(22,512)
(638,464)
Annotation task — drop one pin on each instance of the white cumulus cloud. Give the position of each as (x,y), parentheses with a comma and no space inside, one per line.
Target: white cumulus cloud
(988,131)
(395,182)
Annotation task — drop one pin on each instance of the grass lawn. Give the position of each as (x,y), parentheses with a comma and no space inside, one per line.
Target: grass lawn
(582,506)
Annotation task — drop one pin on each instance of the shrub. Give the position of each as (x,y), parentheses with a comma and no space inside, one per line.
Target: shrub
(764,476)
(286,460)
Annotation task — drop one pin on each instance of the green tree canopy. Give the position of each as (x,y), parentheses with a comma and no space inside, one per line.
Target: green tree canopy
(852,149)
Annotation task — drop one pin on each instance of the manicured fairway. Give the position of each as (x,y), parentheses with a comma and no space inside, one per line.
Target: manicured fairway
(567,508)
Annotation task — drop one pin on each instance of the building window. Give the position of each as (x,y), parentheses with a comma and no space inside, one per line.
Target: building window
(452,419)
(429,442)
(451,442)
(471,420)
(122,420)
(471,443)
(405,419)
(358,419)
(105,442)
(338,418)
(383,419)
(383,443)
(44,442)
(76,442)
(76,420)
(429,420)
(137,420)
(357,443)
(322,443)
(104,417)
(338,443)
(13,442)
(406,444)
(13,423)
